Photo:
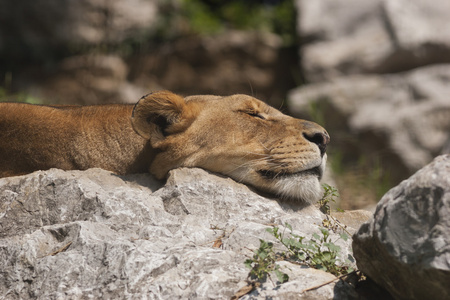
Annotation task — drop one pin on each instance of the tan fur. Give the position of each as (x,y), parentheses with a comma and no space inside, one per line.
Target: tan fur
(238,136)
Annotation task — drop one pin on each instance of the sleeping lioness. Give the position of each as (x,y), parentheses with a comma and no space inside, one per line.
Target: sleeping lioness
(238,136)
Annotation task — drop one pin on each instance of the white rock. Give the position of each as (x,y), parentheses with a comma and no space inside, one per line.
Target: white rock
(92,234)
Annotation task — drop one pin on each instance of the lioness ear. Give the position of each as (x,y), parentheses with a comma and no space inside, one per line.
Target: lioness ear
(155,112)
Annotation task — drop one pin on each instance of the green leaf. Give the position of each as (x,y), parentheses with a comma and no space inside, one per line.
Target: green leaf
(320,267)
(287,225)
(332,247)
(351,258)
(297,244)
(287,242)
(301,256)
(325,231)
(262,254)
(282,277)
(249,262)
(296,236)
(326,256)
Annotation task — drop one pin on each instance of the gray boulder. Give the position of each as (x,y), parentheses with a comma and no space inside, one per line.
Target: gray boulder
(405,118)
(345,37)
(405,247)
(82,234)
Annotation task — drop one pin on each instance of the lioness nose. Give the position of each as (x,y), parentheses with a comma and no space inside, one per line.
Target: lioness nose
(318,136)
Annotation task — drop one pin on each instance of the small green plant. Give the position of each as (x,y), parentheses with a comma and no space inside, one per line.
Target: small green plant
(330,194)
(318,252)
(329,222)
(263,262)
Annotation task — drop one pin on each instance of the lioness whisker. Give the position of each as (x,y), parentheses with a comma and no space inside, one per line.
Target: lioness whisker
(263,144)
(269,163)
(256,153)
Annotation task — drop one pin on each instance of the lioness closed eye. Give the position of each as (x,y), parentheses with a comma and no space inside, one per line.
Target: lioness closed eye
(238,136)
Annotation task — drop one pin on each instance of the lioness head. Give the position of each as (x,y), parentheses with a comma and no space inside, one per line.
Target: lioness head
(238,136)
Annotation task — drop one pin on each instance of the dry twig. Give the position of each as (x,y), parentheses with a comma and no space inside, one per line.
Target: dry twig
(64,248)
(327,282)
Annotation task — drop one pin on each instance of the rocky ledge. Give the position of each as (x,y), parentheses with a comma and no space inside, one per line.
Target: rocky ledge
(81,234)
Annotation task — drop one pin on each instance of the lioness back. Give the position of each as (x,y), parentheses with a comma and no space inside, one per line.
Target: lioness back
(237,136)
(37,137)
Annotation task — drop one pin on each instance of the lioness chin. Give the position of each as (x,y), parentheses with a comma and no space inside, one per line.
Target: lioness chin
(238,136)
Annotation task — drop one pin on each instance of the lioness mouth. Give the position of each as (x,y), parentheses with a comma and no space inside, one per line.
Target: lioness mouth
(276,175)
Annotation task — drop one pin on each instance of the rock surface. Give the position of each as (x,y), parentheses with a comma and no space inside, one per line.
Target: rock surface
(82,234)
(365,36)
(88,79)
(405,117)
(405,248)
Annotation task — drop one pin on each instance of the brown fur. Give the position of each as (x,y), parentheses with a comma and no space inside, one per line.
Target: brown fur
(238,136)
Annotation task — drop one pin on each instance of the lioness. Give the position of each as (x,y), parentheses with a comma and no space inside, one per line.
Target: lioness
(238,136)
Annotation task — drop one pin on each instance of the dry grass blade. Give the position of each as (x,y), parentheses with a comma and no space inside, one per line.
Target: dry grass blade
(245,290)
(327,282)
(62,249)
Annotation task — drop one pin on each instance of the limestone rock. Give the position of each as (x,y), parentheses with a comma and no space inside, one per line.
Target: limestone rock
(88,79)
(405,117)
(405,248)
(44,27)
(352,218)
(345,37)
(82,234)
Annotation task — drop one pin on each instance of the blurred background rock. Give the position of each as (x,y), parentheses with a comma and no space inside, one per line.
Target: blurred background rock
(375,73)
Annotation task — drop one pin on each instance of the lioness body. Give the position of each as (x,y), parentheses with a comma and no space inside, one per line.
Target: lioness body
(238,136)
(70,138)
